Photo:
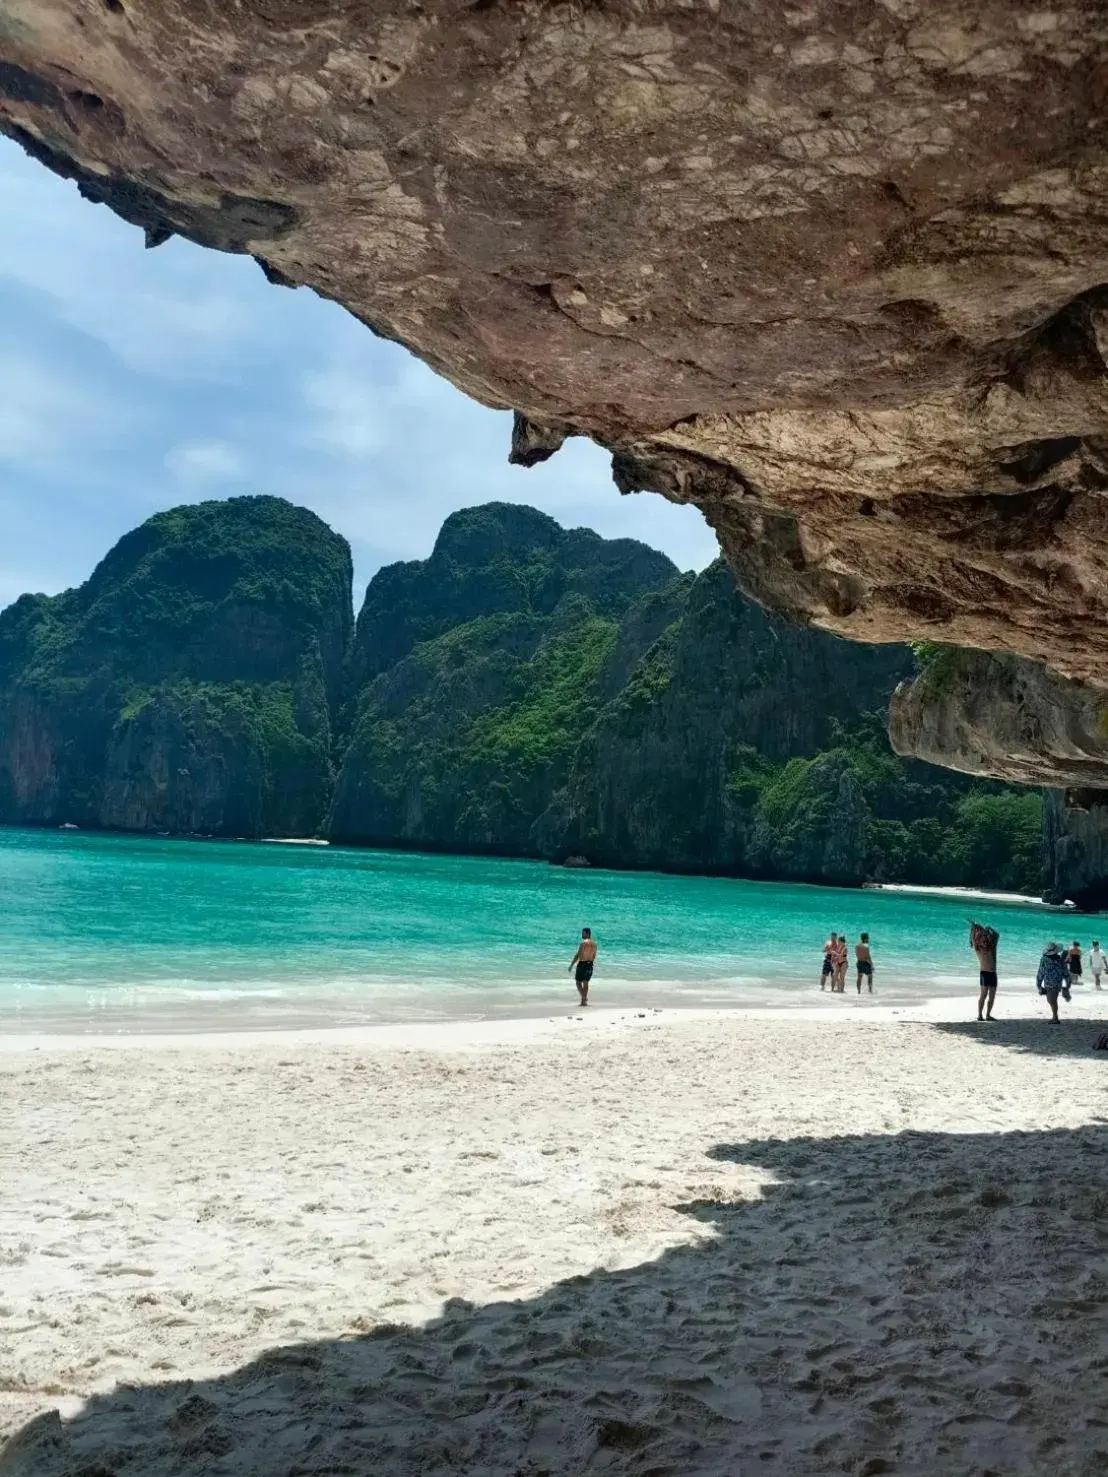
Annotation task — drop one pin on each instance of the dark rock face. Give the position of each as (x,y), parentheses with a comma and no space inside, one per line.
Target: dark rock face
(188,685)
(834,272)
(1001,715)
(1075,825)
(546,693)
(704,682)
(476,671)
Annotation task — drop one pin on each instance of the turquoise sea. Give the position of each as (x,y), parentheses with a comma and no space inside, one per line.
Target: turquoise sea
(118,933)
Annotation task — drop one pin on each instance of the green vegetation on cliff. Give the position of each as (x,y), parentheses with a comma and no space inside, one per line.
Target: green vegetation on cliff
(189,684)
(541,692)
(527,689)
(462,740)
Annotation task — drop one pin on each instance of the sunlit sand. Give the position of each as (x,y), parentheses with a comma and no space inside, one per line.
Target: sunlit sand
(860,1241)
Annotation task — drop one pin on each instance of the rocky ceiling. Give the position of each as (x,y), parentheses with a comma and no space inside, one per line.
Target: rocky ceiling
(834,270)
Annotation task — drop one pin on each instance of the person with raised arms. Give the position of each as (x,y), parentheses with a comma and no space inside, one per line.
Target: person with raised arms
(983,942)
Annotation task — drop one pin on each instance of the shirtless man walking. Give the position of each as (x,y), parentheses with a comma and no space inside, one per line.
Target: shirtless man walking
(583,962)
(983,942)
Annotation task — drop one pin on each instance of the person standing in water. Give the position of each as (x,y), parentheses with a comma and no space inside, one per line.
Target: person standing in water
(582,962)
(840,963)
(1074,962)
(983,942)
(864,961)
(1053,978)
(828,970)
(1096,962)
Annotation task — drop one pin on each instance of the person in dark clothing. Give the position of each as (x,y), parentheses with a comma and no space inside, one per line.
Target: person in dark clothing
(864,960)
(1073,959)
(1053,978)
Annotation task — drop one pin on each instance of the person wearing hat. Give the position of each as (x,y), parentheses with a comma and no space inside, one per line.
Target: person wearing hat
(1053,978)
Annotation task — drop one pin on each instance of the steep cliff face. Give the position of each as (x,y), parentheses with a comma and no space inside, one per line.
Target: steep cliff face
(1076,836)
(188,685)
(1001,715)
(662,779)
(834,272)
(478,671)
(562,695)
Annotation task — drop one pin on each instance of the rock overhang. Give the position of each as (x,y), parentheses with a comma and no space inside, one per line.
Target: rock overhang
(836,273)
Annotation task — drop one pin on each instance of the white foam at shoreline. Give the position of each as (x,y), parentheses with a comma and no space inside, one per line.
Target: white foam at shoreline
(439,1035)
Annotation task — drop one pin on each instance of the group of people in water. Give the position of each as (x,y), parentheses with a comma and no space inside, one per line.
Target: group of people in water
(835,956)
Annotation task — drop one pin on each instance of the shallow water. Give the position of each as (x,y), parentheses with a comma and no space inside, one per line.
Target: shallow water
(109,933)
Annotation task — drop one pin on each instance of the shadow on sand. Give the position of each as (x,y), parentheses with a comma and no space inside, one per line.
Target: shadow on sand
(1073,1037)
(920,1303)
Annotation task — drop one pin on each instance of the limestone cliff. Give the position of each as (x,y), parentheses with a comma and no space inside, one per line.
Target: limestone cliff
(713,705)
(1075,825)
(835,272)
(1002,715)
(188,685)
(541,692)
(475,674)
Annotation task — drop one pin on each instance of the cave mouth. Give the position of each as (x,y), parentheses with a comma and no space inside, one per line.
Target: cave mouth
(801,315)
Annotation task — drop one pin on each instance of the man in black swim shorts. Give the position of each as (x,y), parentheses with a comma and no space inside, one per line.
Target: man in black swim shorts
(983,942)
(864,960)
(582,962)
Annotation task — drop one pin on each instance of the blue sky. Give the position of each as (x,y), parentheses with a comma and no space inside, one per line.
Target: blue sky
(133,380)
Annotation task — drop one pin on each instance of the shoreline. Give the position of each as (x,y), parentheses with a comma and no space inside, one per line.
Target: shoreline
(462,1035)
(401,849)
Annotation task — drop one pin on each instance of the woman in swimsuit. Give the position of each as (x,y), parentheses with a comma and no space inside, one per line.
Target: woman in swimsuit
(1074,961)
(839,957)
(828,970)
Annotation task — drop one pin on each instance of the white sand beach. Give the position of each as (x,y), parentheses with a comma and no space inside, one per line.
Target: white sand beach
(805,1242)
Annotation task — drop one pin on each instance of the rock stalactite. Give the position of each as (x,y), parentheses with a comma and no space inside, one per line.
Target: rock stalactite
(837,273)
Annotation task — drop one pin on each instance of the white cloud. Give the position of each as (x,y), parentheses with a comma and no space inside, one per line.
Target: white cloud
(205,463)
(172,311)
(48,414)
(342,416)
